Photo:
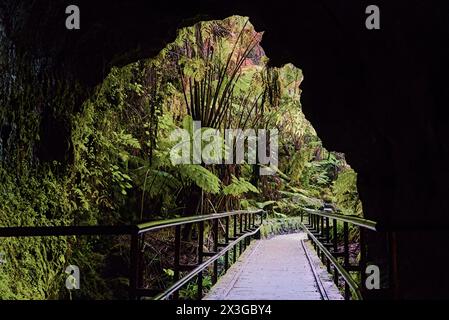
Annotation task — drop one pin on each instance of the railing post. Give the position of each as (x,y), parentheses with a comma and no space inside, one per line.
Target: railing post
(318,251)
(240,232)
(215,248)
(314,229)
(245,230)
(247,218)
(226,262)
(200,259)
(335,234)
(234,249)
(328,263)
(322,237)
(346,255)
(176,259)
(322,227)
(134,266)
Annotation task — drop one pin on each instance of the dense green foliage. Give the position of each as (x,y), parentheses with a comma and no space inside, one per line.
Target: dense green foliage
(117,167)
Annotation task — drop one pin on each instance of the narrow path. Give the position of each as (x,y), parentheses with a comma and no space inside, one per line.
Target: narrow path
(276,269)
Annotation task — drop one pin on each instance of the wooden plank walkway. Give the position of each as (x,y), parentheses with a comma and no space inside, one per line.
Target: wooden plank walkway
(280,268)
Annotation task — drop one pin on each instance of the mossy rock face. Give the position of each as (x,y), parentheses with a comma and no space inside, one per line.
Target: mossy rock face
(278,226)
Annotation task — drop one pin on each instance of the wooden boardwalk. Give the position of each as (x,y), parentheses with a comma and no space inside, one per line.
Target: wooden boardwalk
(282,268)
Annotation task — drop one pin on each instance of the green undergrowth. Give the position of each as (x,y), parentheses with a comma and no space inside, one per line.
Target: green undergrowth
(278,226)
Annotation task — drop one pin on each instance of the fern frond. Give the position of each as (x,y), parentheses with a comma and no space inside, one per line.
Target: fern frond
(238,187)
(202,177)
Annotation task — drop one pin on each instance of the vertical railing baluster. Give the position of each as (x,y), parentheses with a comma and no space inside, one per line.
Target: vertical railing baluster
(240,232)
(215,248)
(234,249)
(226,263)
(176,258)
(335,234)
(245,230)
(248,228)
(328,264)
(321,237)
(322,227)
(346,255)
(200,259)
(318,234)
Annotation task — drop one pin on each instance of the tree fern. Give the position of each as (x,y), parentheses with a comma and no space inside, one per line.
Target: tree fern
(239,186)
(202,177)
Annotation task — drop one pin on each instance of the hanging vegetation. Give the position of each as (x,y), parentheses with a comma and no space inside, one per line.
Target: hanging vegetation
(117,168)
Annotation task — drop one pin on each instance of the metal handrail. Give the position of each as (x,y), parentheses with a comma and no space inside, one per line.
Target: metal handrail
(136,232)
(49,231)
(336,264)
(319,222)
(177,285)
(364,223)
(160,224)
